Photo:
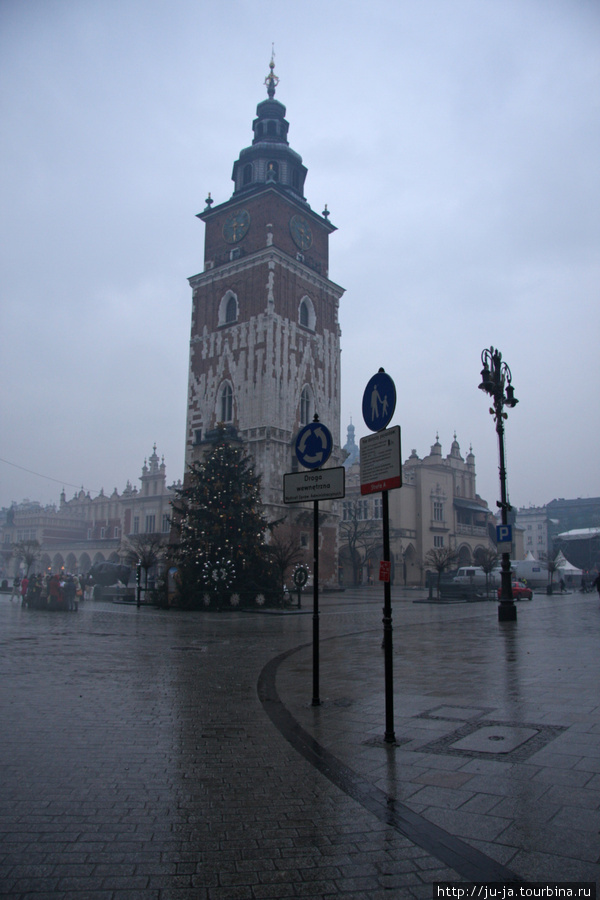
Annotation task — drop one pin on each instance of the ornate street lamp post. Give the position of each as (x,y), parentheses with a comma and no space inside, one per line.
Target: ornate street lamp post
(496,381)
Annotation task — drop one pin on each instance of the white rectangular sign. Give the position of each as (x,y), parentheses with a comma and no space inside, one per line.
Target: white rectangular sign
(317,484)
(380,461)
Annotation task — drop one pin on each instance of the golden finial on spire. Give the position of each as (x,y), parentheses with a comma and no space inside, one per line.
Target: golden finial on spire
(271,80)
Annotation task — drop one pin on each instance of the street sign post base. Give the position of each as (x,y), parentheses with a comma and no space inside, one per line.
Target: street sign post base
(507,611)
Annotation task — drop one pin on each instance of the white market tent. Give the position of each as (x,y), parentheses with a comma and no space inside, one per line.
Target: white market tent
(566,570)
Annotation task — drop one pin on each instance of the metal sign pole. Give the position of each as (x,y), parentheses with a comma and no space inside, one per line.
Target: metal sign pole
(314,445)
(389,736)
(315,698)
(381,470)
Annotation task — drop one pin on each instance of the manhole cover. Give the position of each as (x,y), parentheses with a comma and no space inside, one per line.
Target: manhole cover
(516,741)
(495,739)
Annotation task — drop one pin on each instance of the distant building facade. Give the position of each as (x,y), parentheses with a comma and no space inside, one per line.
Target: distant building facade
(533,520)
(437,507)
(83,531)
(545,528)
(567,515)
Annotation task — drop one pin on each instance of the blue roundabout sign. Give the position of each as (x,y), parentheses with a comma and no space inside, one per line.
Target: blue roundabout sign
(313,445)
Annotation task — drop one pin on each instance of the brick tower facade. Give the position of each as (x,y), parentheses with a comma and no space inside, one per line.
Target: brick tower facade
(265,337)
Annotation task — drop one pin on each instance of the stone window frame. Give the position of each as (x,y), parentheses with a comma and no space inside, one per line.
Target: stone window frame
(225,309)
(362,510)
(225,402)
(306,405)
(437,509)
(307,317)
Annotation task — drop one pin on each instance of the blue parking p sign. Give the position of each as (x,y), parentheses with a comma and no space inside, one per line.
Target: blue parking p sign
(504,534)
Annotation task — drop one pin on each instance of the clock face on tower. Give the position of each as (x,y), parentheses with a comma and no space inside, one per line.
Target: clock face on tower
(236,225)
(301,233)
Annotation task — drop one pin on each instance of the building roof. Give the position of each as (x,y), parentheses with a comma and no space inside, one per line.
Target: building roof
(579,534)
(461,503)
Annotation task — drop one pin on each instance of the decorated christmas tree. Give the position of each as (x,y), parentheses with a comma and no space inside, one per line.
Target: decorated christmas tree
(219,518)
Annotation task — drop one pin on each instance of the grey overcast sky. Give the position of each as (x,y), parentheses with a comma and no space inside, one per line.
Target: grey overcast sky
(456,143)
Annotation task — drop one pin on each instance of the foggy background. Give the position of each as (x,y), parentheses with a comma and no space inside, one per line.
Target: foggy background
(455,143)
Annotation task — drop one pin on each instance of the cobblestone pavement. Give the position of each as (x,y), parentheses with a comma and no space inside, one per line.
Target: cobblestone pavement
(154,754)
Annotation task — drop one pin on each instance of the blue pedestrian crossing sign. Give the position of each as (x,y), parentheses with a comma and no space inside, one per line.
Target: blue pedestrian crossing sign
(379,401)
(313,445)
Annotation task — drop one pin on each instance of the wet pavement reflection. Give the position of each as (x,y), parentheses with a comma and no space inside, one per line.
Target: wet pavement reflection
(139,752)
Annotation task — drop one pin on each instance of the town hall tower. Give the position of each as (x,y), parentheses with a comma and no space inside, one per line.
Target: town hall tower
(265,336)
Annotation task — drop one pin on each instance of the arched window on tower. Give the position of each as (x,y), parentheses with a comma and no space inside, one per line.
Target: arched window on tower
(305,406)
(306,314)
(271,127)
(228,309)
(231,310)
(226,403)
(272,171)
(247,178)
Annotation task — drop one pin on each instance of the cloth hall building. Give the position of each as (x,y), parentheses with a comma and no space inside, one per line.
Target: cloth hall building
(437,507)
(85,530)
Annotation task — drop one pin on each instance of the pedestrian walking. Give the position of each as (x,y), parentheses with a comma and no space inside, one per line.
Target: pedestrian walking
(69,592)
(54,592)
(16,589)
(78,592)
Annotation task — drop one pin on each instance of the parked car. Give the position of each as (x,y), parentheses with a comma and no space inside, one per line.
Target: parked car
(520,591)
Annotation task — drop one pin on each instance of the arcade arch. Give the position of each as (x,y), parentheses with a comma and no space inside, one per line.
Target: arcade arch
(464,556)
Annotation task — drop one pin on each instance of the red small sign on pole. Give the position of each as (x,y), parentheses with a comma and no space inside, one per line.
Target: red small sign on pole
(384,570)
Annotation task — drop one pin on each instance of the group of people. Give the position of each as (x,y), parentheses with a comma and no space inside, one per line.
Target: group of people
(61,591)
(590,585)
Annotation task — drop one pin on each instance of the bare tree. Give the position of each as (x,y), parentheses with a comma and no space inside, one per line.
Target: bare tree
(487,558)
(28,551)
(6,553)
(285,550)
(552,566)
(146,549)
(361,536)
(441,558)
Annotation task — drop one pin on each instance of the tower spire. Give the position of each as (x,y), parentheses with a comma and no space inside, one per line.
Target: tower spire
(271,80)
